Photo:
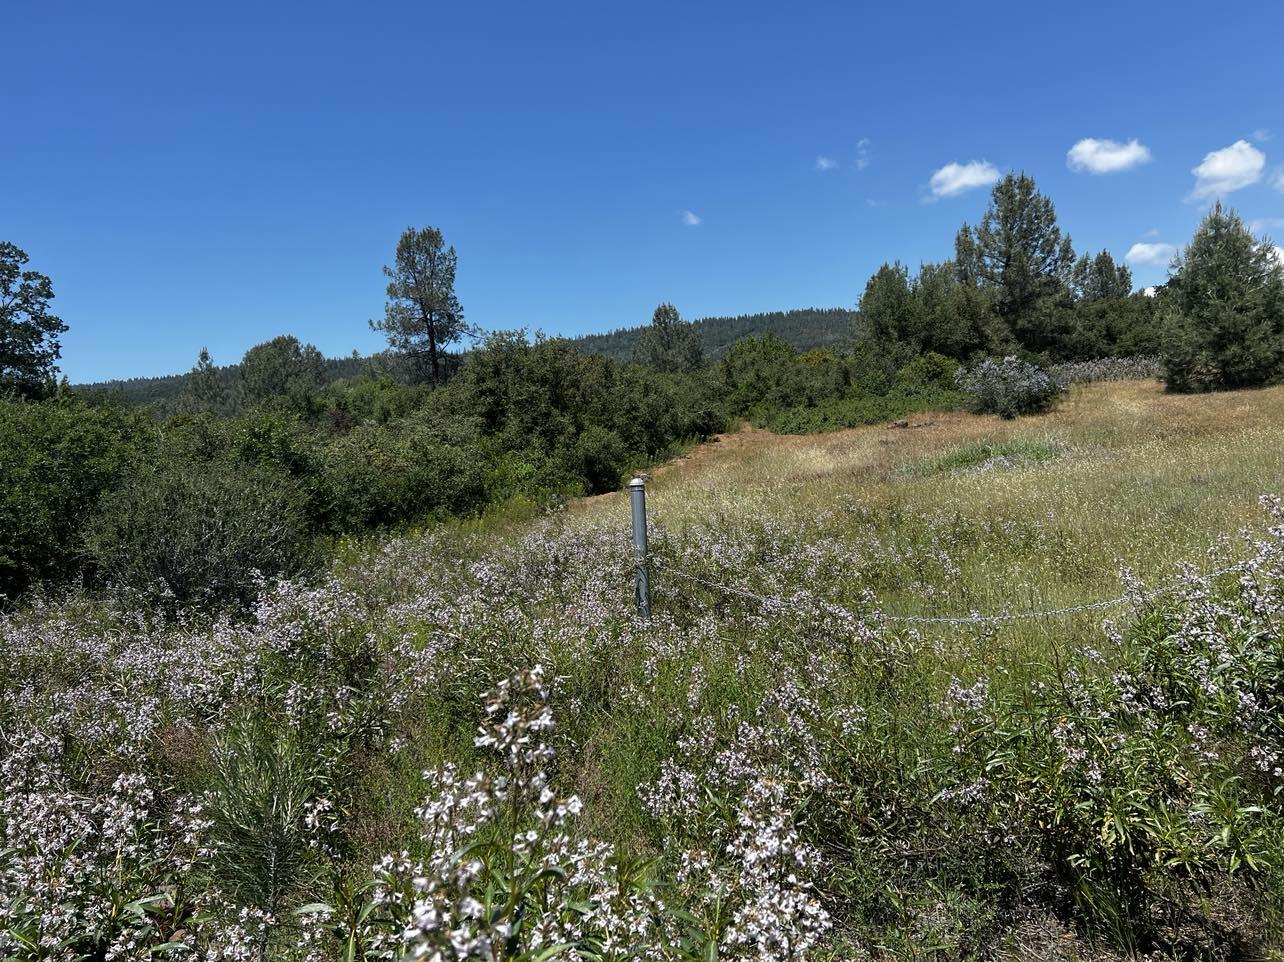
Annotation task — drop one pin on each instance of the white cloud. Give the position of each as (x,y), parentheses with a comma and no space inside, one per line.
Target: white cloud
(1277,179)
(1279,257)
(1150,254)
(1261,135)
(1228,169)
(1264,225)
(862,153)
(1148,291)
(1106,156)
(955,178)
(825,163)
(692,219)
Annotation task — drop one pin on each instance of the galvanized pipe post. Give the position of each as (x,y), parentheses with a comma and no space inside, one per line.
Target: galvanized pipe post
(642,595)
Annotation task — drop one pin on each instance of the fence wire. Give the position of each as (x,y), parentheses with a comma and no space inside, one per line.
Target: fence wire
(975,618)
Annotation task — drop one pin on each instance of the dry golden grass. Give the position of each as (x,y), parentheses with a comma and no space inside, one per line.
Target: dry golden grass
(1142,478)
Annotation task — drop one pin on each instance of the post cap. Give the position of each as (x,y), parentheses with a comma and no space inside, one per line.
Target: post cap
(637,483)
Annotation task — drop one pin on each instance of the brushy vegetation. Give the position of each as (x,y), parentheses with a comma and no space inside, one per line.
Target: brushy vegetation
(197,506)
(804,777)
(1009,388)
(1138,367)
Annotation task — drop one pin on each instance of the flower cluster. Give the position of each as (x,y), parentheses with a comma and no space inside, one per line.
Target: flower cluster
(504,874)
(1136,367)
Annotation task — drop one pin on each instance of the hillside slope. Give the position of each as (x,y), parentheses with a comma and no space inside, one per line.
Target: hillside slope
(805,329)
(1043,510)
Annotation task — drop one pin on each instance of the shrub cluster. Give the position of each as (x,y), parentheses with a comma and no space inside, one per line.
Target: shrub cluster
(199,505)
(199,532)
(1009,387)
(771,383)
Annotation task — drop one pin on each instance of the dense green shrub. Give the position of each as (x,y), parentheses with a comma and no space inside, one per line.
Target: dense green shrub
(834,414)
(376,476)
(759,373)
(599,457)
(57,458)
(281,367)
(930,370)
(836,402)
(373,397)
(198,531)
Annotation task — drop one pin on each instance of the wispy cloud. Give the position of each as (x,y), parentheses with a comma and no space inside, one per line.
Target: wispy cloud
(1260,136)
(1264,225)
(825,163)
(691,218)
(1277,179)
(1106,156)
(1150,254)
(862,153)
(1279,256)
(955,178)
(1228,169)
(875,202)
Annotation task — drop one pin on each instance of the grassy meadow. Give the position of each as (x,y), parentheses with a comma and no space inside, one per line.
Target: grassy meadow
(461,743)
(958,513)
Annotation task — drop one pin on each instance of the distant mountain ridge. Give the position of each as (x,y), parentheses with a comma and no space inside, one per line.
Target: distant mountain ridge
(167,388)
(806,329)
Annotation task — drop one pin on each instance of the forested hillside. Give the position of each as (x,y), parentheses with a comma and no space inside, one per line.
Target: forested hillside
(805,329)
(164,390)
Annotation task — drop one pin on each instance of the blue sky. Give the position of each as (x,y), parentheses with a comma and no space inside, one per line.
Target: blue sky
(219,174)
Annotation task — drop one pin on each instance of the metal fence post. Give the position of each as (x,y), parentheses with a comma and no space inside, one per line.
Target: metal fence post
(637,495)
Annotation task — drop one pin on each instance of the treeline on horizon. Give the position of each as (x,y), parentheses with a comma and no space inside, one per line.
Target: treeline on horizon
(806,329)
(258,470)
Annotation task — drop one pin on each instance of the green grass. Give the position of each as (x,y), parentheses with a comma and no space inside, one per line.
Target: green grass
(990,455)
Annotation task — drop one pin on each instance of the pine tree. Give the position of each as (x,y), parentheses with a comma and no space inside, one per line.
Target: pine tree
(1101,279)
(1018,251)
(206,390)
(670,344)
(955,319)
(423,316)
(1224,309)
(967,260)
(888,310)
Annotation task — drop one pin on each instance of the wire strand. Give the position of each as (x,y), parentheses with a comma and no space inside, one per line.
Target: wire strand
(973,619)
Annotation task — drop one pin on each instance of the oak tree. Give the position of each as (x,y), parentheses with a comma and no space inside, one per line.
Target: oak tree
(29,331)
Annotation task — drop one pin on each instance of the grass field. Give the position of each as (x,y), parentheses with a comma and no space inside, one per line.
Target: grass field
(959,513)
(786,775)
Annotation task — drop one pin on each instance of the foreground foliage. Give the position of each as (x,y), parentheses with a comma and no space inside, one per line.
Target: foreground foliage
(781,779)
